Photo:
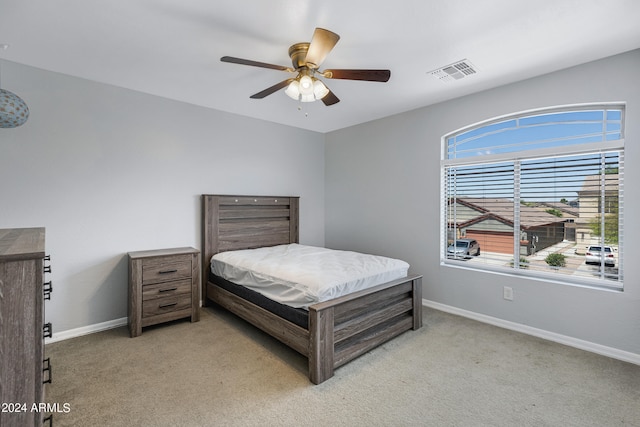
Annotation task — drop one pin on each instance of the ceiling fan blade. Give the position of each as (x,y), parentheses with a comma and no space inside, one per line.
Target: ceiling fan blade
(321,44)
(368,75)
(330,99)
(268,91)
(241,61)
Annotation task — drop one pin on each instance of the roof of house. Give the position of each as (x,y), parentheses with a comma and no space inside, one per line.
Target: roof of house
(567,210)
(502,210)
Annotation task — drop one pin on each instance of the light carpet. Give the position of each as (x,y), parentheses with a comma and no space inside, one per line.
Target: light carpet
(222,371)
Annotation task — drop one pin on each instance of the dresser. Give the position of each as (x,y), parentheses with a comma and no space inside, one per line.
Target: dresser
(164,285)
(23,369)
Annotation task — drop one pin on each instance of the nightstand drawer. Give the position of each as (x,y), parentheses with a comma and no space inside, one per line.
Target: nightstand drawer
(166,305)
(166,289)
(156,270)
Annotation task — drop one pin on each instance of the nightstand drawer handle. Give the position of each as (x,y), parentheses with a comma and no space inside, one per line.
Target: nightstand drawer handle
(167,271)
(168,305)
(167,290)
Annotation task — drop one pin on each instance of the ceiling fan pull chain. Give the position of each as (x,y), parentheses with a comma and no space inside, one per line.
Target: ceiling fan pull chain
(301,109)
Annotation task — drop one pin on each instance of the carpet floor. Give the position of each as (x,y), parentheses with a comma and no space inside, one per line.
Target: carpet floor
(222,371)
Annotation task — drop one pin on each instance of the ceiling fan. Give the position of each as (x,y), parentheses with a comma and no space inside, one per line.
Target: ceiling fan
(306,59)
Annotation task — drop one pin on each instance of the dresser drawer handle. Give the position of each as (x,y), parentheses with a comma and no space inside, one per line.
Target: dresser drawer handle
(47,330)
(46,370)
(46,268)
(167,290)
(47,290)
(168,305)
(167,271)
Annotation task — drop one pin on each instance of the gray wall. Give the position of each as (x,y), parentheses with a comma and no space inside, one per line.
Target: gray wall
(383,191)
(108,170)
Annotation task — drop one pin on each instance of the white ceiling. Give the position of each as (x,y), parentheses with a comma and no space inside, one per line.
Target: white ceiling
(172,48)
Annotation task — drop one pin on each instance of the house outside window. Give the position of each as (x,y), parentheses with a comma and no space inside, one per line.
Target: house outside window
(541,192)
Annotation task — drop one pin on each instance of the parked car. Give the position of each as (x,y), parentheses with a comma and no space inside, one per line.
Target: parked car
(463,248)
(594,253)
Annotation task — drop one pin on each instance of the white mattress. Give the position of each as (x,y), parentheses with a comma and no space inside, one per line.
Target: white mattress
(298,275)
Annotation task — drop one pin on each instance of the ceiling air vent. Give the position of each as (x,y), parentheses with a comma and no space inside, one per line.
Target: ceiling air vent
(455,71)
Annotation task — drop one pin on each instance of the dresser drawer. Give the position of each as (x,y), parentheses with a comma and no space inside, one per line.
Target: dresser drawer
(166,289)
(163,269)
(164,305)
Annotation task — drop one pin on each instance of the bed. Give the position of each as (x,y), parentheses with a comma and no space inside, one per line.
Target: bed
(329,333)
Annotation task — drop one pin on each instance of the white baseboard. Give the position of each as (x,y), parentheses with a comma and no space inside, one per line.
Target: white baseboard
(540,333)
(86,330)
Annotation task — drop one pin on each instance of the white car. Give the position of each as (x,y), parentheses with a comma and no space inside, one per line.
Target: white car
(463,248)
(594,254)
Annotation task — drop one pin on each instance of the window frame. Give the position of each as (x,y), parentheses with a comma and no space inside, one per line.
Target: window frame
(604,146)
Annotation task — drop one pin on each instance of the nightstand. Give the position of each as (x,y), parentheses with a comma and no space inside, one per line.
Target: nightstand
(163,286)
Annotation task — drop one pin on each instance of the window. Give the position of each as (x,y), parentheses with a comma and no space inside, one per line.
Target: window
(536,191)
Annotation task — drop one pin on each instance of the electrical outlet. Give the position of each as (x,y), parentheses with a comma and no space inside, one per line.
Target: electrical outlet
(507,293)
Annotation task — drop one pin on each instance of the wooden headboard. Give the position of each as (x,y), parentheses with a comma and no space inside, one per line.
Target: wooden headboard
(245,222)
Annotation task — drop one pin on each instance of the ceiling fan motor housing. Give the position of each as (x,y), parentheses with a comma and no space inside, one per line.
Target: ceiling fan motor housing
(298,54)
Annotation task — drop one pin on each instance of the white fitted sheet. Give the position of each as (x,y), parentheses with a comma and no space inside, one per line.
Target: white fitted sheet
(299,275)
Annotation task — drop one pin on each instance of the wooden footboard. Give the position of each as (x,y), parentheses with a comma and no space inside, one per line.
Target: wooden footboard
(341,329)
(344,328)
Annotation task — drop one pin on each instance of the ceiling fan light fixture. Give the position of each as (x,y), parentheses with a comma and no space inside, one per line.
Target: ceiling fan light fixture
(306,89)
(293,90)
(306,85)
(307,97)
(319,89)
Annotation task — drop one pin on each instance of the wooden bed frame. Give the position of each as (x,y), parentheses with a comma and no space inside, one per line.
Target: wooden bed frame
(340,329)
